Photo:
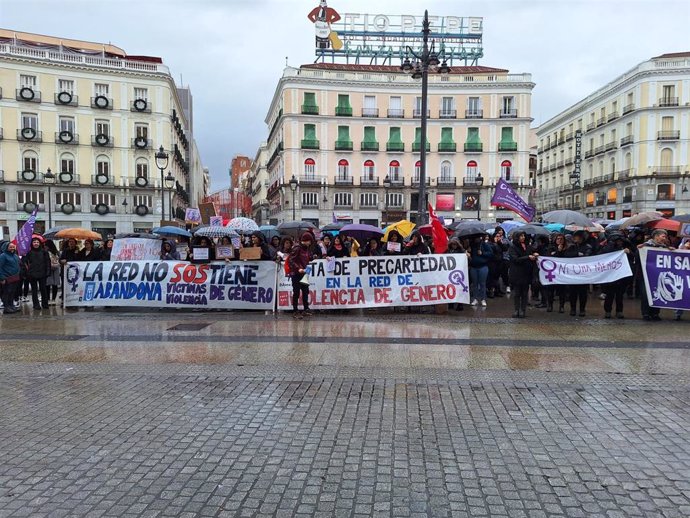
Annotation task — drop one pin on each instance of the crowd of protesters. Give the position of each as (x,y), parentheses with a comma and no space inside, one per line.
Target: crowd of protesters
(499,265)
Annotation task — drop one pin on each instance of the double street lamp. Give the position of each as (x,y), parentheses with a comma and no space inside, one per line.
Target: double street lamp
(427,60)
(49,180)
(293,188)
(168,181)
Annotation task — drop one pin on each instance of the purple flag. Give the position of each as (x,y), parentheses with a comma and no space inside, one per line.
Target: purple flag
(506,197)
(25,233)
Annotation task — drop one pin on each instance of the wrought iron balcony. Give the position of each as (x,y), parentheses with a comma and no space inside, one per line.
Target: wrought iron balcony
(395,146)
(396,113)
(447,114)
(508,114)
(447,147)
(601,121)
(473,147)
(343,111)
(612,116)
(417,147)
(474,114)
(102,102)
(415,181)
(310,109)
(66,138)
(343,145)
(668,135)
(369,146)
(591,126)
(507,146)
(66,99)
(29,135)
(666,170)
(28,94)
(628,108)
(309,144)
(310,179)
(417,114)
(446,181)
(102,140)
(342,179)
(665,102)
(368,179)
(370,112)
(625,141)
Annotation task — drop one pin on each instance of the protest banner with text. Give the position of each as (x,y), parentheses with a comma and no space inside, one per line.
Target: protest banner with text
(158,284)
(666,277)
(135,249)
(373,282)
(595,269)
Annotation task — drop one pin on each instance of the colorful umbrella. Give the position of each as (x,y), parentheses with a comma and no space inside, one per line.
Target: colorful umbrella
(51,232)
(665,224)
(78,233)
(215,231)
(510,225)
(555,227)
(243,225)
(361,232)
(269,231)
(402,227)
(171,231)
(642,219)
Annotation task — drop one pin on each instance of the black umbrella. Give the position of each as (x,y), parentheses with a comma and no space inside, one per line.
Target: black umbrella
(474,229)
(297,228)
(333,227)
(683,218)
(138,235)
(457,225)
(531,229)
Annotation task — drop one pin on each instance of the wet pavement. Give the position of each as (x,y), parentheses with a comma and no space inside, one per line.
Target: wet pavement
(360,413)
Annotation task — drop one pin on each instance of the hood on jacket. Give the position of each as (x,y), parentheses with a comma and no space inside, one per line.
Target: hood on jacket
(3,246)
(307,236)
(260,235)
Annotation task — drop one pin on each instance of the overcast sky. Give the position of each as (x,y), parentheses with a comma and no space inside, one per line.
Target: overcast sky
(232,52)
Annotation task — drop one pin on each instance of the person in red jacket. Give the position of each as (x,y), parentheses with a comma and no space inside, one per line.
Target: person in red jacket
(322,17)
(298,262)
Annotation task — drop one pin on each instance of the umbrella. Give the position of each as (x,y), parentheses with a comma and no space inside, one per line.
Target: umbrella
(333,227)
(683,218)
(566,217)
(269,231)
(665,224)
(509,225)
(39,237)
(297,228)
(642,219)
(554,227)
(137,235)
(402,227)
(172,231)
(616,225)
(78,233)
(243,225)
(594,227)
(361,232)
(215,231)
(471,229)
(532,229)
(50,233)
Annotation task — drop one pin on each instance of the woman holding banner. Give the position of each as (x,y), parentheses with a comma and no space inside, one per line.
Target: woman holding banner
(557,248)
(522,259)
(578,292)
(298,263)
(659,240)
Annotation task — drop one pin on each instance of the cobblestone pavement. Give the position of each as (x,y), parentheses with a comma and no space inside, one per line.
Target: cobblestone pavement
(91,428)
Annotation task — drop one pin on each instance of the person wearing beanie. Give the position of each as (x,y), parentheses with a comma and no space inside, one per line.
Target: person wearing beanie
(298,262)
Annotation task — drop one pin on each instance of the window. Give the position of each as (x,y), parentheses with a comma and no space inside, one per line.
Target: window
(142,199)
(104,198)
(506,170)
(343,199)
(30,120)
(27,81)
(508,104)
(141,93)
(67,163)
(141,131)
(368,199)
(395,199)
(142,168)
(102,165)
(395,108)
(666,191)
(446,171)
(101,89)
(67,197)
(310,199)
(417,170)
(369,171)
(343,170)
(309,167)
(66,124)
(370,109)
(103,127)
(668,92)
(66,85)
(666,157)
(30,197)
(447,105)
(394,172)
(30,161)
(343,107)
(471,171)
(310,132)
(474,106)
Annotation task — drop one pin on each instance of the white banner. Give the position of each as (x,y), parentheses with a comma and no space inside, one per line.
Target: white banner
(373,282)
(158,284)
(136,249)
(594,269)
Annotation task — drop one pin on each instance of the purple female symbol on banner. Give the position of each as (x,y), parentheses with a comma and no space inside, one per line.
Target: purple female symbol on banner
(549,267)
(457,277)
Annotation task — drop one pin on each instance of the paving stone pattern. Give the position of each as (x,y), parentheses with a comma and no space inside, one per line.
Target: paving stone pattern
(101,441)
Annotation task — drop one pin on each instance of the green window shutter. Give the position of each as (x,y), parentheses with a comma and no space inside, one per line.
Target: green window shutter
(309,99)
(473,136)
(417,135)
(506,135)
(343,133)
(447,135)
(394,136)
(309,132)
(343,101)
(369,134)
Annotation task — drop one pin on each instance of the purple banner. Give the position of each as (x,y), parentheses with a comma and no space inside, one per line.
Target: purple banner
(666,277)
(506,197)
(25,233)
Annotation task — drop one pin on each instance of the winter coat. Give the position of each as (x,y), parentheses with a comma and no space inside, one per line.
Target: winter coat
(478,260)
(37,263)
(69,255)
(299,259)
(521,265)
(173,255)
(334,252)
(9,263)
(94,255)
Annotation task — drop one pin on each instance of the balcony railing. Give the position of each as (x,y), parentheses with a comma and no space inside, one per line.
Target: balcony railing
(668,135)
(66,99)
(417,147)
(343,145)
(569,136)
(370,112)
(415,180)
(628,108)
(309,144)
(447,114)
(627,198)
(591,126)
(142,143)
(508,114)
(310,179)
(344,180)
(343,111)
(310,109)
(470,181)
(665,196)
(612,116)
(66,138)
(102,102)
(589,153)
(395,146)
(473,147)
(507,146)
(29,176)
(625,141)
(447,147)
(625,174)
(67,178)
(474,114)
(609,146)
(665,102)
(446,181)
(601,121)
(666,170)
(140,106)
(102,140)
(599,149)
(397,181)
(417,114)
(28,94)
(29,135)
(369,146)
(102,179)
(396,113)
(368,179)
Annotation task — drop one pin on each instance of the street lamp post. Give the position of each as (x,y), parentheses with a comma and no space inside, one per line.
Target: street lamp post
(49,180)
(427,60)
(386,186)
(162,163)
(479,181)
(293,188)
(169,184)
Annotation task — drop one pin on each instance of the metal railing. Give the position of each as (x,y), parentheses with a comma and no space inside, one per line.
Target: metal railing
(370,112)
(446,181)
(343,145)
(473,147)
(97,102)
(368,180)
(666,170)
(417,114)
(395,146)
(474,114)
(29,136)
(447,114)
(667,101)
(343,111)
(369,146)
(396,113)
(668,135)
(344,180)
(310,179)
(447,147)
(627,140)
(102,140)
(507,146)
(66,138)
(310,109)
(309,144)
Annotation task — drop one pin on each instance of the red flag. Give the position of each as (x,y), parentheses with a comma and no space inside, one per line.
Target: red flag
(438,233)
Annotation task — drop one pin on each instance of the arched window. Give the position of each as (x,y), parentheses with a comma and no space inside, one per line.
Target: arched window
(343,169)
(666,157)
(368,171)
(506,170)
(394,172)
(446,171)
(471,171)
(67,163)
(591,171)
(601,168)
(30,161)
(612,163)
(628,161)
(309,168)
(142,167)
(102,165)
